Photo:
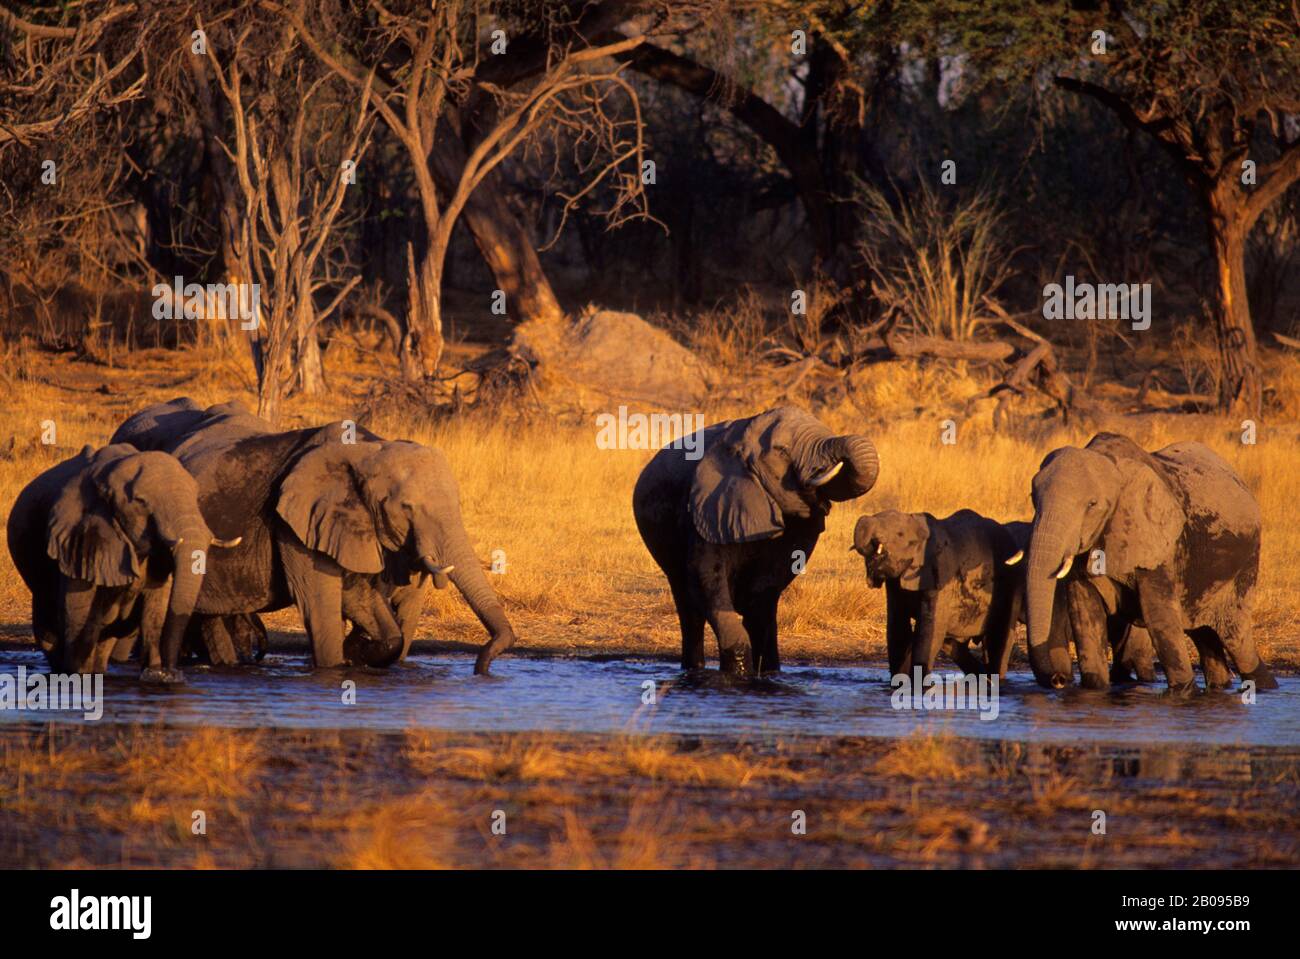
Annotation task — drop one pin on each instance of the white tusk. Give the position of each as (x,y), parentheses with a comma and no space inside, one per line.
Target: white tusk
(1012,560)
(227,543)
(826,477)
(880,548)
(1065,567)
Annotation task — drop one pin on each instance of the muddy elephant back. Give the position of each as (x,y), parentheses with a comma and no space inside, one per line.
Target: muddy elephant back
(1215,495)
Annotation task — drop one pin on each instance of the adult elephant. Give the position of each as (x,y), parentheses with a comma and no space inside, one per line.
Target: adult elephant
(731,514)
(112,544)
(334,520)
(1178,534)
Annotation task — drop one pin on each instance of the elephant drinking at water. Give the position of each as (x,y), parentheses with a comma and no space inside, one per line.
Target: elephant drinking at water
(111,544)
(334,520)
(1176,536)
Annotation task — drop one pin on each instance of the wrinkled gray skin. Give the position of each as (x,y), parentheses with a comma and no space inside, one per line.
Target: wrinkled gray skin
(954,582)
(729,529)
(949,577)
(1180,535)
(106,542)
(343,530)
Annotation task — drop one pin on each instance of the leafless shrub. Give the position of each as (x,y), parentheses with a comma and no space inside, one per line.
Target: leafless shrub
(932,262)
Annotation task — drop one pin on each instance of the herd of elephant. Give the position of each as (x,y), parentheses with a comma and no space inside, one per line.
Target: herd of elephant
(172,539)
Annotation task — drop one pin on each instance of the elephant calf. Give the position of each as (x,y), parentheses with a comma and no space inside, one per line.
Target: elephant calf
(111,543)
(949,577)
(733,528)
(954,582)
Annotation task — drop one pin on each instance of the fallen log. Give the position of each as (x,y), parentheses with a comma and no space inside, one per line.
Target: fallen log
(918,345)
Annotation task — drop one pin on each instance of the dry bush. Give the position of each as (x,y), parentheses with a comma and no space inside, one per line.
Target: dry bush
(932,263)
(730,335)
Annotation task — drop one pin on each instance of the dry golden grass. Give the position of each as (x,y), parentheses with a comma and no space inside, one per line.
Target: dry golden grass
(538,758)
(578,578)
(74,797)
(219,763)
(925,755)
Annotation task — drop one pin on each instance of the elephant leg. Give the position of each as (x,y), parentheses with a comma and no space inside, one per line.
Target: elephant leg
(899,635)
(377,639)
(959,651)
(1238,638)
(735,655)
(45,629)
(408,602)
(84,608)
(759,619)
(217,634)
(318,594)
(1163,621)
(1214,662)
(124,648)
(259,643)
(1003,617)
(153,614)
(692,626)
(931,628)
(1088,625)
(1133,653)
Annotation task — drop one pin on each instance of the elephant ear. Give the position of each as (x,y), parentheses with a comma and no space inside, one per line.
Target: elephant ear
(862,534)
(1147,522)
(923,544)
(322,501)
(83,539)
(728,503)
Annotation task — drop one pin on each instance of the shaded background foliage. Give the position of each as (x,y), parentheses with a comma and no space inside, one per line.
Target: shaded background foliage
(760,154)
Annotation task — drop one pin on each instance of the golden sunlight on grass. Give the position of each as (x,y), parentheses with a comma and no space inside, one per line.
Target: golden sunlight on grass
(576,575)
(73,797)
(537,758)
(923,755)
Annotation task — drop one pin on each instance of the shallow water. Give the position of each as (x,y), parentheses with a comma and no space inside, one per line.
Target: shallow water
(574,695)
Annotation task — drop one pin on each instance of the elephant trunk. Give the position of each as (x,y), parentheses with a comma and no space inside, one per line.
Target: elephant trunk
(468,577)
(1050,546)
(187,580)
(861,465)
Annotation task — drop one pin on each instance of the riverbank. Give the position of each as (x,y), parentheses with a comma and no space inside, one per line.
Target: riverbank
(91,796)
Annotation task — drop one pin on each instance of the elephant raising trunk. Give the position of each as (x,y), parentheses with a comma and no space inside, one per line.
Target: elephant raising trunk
(730,527)
(856,466)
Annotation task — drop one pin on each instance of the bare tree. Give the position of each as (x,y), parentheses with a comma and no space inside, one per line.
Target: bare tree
(290,205)
(55,75)
(570,97)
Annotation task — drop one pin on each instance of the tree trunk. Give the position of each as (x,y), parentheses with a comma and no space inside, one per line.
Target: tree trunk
(1241,388)
(421,349)
(499,235)
(310,367)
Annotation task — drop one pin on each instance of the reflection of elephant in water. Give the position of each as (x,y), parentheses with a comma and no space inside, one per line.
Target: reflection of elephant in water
(334,520)
(1178,533)
(731,528)
(957,579)
(111,543)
